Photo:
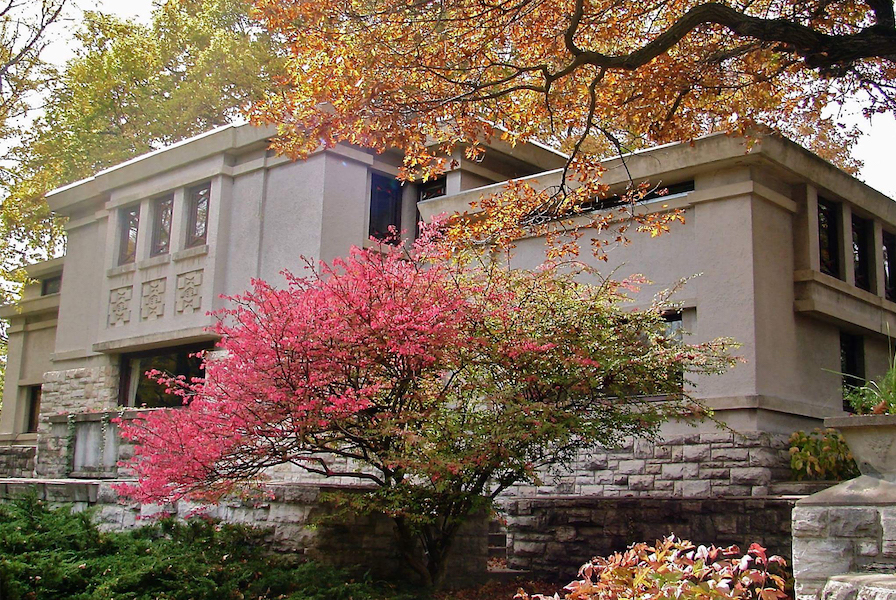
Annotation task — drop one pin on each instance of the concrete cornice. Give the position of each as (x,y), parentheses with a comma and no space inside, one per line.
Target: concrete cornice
(672,163)
(224,139)
(31,307)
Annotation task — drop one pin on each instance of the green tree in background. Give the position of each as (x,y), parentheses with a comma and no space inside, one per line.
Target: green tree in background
(129,89)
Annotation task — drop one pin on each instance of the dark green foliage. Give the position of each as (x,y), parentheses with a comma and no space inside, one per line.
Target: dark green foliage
(48,554)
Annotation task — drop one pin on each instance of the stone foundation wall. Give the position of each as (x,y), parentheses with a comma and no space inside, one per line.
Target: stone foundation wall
(846,529)
(17,461)
(289,512)
(553,537)
(697,465)
(79,390)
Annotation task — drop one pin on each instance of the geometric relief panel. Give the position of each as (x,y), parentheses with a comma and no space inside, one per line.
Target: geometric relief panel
(152,302)
(188,298)
(120,306)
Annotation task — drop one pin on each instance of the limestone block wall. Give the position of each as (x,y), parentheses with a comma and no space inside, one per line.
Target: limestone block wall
(846,529)
(696,465)
(17,461)
(553,537)
(288,511)
(78,390)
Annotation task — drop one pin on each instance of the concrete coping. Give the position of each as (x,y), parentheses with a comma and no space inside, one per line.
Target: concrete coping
(877,580)
(86,417)
(860,421)
(861,491)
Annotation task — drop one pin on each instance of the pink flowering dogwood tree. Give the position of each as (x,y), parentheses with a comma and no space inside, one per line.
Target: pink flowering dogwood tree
(441,382)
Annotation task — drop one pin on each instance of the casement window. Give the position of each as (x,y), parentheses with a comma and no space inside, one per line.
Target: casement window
(138,390)
(829,237)
(889,248)
(162,209)
(127,243)
(852,363)
(197,216)
(33,414)
(862,251)
(385,206)
(51,285)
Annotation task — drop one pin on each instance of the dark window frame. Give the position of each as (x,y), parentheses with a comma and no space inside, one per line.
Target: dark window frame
(126,370)
(35,394)
(129,218)
(889,256)
(862,252)
(852,364)
(195,199)
(829,238)
(386,196)
(51,285)
(162,208)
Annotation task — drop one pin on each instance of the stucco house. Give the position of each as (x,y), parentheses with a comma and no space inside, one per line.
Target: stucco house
(797,262)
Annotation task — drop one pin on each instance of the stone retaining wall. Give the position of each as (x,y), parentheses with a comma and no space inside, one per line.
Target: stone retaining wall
(289,512)
(17,461)
(697,465)
(553,537)
(845,529)
(71,391)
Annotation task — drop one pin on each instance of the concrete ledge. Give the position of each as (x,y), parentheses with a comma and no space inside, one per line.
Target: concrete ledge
(861,491)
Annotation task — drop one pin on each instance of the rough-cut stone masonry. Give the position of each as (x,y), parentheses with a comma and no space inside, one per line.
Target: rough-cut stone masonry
(697,465)
(553,537)
(289,512)
(71,391)
(17,461)
(848,528)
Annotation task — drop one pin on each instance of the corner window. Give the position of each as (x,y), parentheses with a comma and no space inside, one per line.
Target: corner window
(861,252)
(829,237)
(138,390)
(34,394)
(385,206)
(889,266)
(852,363)
(197,217)
(51,285)
(127,243)
(161,225)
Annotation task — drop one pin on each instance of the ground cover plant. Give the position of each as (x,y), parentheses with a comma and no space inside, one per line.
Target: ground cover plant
(673,568)
(821,455)
(50,554)
(439,378)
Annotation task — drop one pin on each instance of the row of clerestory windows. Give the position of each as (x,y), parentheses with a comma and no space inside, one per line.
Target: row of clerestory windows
(162,208)
(861,235)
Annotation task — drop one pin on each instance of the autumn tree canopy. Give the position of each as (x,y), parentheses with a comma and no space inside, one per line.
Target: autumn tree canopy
(440,385)
(595,76)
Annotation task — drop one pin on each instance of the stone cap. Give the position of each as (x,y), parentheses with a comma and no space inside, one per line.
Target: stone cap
(860,421)
(861,491)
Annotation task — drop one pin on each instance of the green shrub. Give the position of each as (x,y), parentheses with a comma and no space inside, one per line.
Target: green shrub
(53,554)
(821,455)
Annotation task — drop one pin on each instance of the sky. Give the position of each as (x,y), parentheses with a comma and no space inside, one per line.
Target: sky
(876,149)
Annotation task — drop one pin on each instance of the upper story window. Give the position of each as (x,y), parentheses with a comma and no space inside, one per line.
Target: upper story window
(385,205)
(889,248)
(127,243)
(829,237)
(51,285)
(162,209)
(861,251)
(197,215)
(431,189)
